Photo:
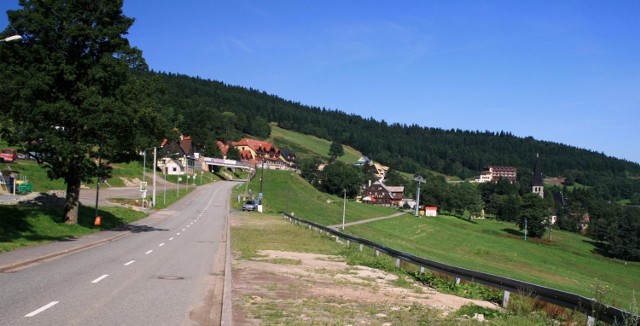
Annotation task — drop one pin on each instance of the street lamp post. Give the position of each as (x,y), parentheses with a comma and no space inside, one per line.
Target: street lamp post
(144,172)
(419,179)
(261,177)
(98,179)
(11,38)
(155,162)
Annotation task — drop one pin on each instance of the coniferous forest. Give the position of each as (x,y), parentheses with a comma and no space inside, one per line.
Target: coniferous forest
(210,110)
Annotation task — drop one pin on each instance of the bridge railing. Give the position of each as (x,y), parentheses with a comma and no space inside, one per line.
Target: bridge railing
(591,307)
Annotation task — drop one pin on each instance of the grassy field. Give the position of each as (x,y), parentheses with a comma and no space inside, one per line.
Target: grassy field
(567,263)
(307,146)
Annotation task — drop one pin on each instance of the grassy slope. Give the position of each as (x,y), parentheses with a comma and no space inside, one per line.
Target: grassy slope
(287,191)
(37,176)
(566,263)
(306,146)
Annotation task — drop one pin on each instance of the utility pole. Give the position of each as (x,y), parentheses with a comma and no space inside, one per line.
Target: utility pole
(344,207)
(261,180)
(419,179)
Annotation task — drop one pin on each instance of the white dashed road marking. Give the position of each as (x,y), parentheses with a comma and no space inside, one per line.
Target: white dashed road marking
(35,312)
(99,278)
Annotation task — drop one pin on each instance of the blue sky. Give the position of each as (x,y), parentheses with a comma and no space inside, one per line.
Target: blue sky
(562,71)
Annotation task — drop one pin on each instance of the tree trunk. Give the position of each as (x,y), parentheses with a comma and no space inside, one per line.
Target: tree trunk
(71,205)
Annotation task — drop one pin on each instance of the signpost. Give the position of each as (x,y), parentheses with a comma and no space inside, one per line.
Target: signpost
(143,190)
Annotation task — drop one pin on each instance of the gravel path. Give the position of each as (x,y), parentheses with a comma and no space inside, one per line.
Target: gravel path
(367,220)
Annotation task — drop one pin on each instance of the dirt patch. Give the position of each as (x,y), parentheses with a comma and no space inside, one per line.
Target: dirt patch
(134,182)
(282,287)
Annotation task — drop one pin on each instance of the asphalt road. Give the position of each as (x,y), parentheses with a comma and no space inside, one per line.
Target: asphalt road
(170,274)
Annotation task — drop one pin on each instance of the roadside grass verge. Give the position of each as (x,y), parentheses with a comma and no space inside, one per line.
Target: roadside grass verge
(26,226)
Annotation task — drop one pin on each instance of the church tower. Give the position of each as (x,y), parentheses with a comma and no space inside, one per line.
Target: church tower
(538,180)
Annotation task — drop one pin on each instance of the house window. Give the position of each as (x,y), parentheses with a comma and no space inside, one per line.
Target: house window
(175,169)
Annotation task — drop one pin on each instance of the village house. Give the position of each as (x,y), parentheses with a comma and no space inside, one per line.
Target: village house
(177,157)
(379,194)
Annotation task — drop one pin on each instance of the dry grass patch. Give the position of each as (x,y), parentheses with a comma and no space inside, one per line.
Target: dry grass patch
(321,288)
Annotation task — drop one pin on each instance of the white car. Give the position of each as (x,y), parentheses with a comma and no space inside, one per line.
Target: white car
(249,205)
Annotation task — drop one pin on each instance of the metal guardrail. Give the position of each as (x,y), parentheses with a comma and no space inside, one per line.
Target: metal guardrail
(588,306)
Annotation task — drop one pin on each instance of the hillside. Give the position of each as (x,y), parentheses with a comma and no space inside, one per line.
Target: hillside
(306,146)
(568,262)
(195,104)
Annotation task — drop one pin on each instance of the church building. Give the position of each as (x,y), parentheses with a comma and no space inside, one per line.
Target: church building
(538,179)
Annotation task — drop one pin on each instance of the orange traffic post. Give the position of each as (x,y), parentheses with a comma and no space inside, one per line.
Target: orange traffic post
(98,221)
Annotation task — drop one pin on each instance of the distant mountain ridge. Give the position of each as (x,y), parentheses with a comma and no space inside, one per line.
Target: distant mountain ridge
(405,147)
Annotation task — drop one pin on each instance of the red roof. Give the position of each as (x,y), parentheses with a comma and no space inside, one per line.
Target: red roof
(254,144)
(223,148)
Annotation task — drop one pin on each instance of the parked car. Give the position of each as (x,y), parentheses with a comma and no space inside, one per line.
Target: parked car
(249,205)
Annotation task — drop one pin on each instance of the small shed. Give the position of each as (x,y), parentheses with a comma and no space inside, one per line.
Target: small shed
(431,211)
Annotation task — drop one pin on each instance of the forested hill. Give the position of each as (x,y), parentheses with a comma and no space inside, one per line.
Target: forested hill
(210,109)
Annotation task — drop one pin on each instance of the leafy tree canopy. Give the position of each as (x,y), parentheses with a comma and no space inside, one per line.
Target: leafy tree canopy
(534,213)
(70,94)
(339,176)
(335,150)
